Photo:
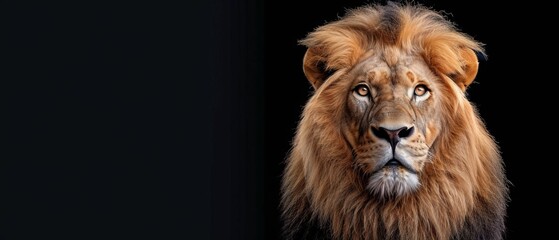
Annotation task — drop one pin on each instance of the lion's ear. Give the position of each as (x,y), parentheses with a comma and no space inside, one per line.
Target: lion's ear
(459,64)
(314,67)
(470,67)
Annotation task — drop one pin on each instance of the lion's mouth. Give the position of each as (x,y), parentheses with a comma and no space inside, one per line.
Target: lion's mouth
(393,162)
(397,164)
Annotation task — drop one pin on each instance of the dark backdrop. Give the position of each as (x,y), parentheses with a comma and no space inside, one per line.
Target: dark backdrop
(164,120)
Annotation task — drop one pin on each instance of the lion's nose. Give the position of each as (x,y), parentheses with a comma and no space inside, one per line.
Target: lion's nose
(392,136)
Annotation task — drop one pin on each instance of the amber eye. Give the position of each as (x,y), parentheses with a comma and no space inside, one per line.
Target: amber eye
(420,90)
(362,90)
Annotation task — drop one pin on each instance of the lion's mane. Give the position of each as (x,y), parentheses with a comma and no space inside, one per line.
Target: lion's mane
(463,189)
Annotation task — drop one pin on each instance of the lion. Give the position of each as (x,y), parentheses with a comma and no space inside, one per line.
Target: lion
(388,145)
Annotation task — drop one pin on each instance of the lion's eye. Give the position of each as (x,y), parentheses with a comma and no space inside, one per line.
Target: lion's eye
(420,90)
(362,90)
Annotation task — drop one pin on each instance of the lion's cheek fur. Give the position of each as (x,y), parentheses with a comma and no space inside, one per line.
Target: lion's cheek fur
(432,130)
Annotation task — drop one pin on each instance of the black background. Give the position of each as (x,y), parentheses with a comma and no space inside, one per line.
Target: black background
(163,120)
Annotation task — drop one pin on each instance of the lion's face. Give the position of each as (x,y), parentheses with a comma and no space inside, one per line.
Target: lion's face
(388,145)
(390,112)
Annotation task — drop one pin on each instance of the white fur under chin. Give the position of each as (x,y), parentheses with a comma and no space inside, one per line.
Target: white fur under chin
(392,182)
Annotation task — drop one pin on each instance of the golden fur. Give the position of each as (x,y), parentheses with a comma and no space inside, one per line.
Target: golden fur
(396,92)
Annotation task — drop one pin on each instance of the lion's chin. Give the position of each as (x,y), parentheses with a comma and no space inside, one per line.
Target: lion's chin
(393,181)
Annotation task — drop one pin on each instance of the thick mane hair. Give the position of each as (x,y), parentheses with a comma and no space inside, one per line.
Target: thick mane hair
(463,192)
(411,28)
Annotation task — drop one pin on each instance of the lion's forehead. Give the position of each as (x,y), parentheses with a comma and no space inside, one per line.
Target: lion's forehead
(395,69)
